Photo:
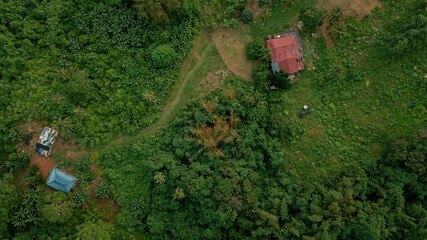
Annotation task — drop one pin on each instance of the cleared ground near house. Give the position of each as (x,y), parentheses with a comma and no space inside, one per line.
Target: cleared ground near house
(231,45)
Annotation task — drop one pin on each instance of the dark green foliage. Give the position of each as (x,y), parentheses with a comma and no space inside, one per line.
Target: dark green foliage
(82,170)
(247,16)
(413,36)
(157,11)
(17,161)
(311,17)
(103,190)
(56,207)
(163,56)
(26,214)
(255,49)
(78,89)
(261,73)
(85,65)
(34,177)
(409,154)
(94,230)
(263,2)
(280,80)
(8,198)
(80,197)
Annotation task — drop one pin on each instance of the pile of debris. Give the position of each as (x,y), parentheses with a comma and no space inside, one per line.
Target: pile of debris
(45,143)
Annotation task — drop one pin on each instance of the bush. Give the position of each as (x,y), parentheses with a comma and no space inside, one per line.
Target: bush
(255,49)
(263,2)
(79,88)
(281,80)
(261,73)
(17,161)
(163,56)
(103,190)
(247,16)
(81,197)
(311,17)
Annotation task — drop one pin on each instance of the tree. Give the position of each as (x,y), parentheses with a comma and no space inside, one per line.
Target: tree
(281,80)
(78,89)
(103,190)
(56,207)
(409,154)
(261,73)
(156,11)
(80,197)
(163,56)
(247,16)
(255,49)
(311,17)
(94,230)
(413,36)
(8,196)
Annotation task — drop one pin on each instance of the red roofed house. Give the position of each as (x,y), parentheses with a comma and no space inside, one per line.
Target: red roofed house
(285,55)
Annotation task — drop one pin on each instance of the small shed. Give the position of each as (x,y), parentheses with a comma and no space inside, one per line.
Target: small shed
(46,140)
(60,181)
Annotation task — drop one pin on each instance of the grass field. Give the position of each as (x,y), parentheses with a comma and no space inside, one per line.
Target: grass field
(203,60)
(280,18)
(231,45)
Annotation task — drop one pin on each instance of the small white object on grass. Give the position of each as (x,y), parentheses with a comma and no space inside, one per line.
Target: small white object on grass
(305,107)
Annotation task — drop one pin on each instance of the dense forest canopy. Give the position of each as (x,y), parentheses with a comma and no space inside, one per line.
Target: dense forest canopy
(237,162)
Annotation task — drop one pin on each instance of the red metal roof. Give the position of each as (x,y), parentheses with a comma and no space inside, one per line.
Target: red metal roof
(285,52)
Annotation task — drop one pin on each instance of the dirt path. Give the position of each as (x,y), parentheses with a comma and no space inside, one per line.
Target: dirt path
(186,85)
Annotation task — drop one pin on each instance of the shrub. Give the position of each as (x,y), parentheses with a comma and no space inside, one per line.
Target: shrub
(255,49)
(263,2)
(261,73)
(247,16)
(311,17)
(32,171)
(79,88)
(163,56)
(103,190)
(17,161)
(80,197)
(281,80)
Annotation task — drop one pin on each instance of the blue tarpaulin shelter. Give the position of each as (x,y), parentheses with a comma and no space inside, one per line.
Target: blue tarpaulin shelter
(60,181)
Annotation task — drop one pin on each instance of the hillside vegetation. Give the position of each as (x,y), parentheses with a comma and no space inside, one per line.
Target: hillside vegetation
(204,153)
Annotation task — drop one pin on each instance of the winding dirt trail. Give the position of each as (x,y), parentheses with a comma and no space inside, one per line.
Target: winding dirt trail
(185,83)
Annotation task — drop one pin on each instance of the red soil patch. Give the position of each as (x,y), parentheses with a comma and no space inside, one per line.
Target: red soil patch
(315,131)
(74,155)
(323,32)
(32,130)
(209,83)
(254,6)
(45,164)
(110,209)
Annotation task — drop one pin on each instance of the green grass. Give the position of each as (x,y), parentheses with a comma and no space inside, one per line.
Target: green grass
(202,59)
(275,23)
(357,122)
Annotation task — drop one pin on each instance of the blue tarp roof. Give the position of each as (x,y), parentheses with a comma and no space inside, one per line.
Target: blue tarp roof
(275,67)
(60,181)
